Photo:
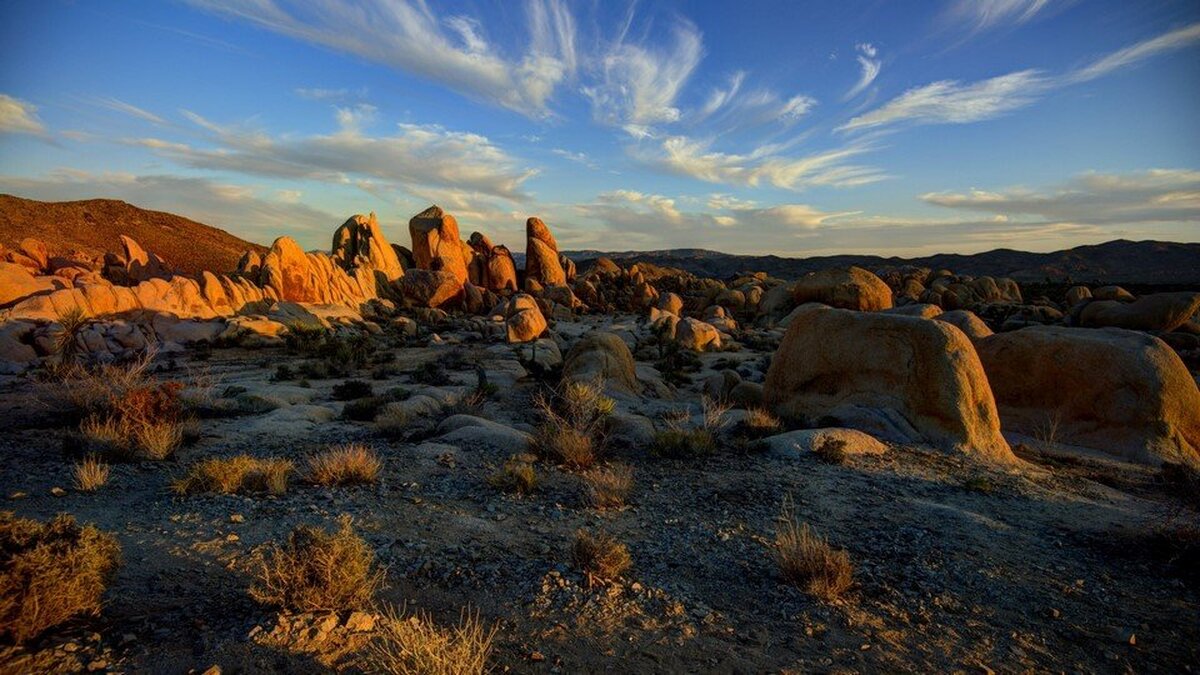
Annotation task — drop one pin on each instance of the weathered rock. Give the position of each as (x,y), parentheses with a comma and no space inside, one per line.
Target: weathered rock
(1158,311)
(966,321)
(435,234)
(1114,390)
(921,309)
(804,441)
(17,283)
(602,356)
(696,335)
(850,288)
(312,277)
(471,431)
(1077,294)
(427,288)
(541,255)
(670,303)
(141,265)
(900,378)
(523,319)
(359,244)
(1113,293)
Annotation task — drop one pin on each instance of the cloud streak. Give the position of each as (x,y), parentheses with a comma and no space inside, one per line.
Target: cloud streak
(870,64)
(19,117)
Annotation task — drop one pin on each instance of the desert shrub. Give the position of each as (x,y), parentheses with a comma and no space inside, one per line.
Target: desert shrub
(573,430)
(433,373)
(51,572)
(316,570)
(283,373)
(364,409)
(352,389)
(601,556)
(981,484)
(675,363)
(236,475)
(517,475)
(66,340)
(807,560)
(141,422)
(350,464)
(714,413)
(831,451)
(760,422)
(91,474)
(608,487)
(676,442)
(415,645)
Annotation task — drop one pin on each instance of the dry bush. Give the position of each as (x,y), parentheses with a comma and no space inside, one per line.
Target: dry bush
(316,570)
(350,464)
(831,451)
(599,556)
(714,413)
(573,429)
(517,475)
(807,560)
(761,422)
(1046,432)
(677,442)
(91,474)
(66,344)
(392,421)
(143,420)
(236,475)
(415,645)
(51,572)
(608,487)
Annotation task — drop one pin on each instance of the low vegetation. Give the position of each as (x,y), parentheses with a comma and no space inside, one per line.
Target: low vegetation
(91,474)
(574,423)
(760,422)
(516,476)
(600,556)
(126,415)
(831,451)
(412,644)
(239,474)
(350,464)
(316,570)
(51,572)
(608,487)
(807,560)
(352,389)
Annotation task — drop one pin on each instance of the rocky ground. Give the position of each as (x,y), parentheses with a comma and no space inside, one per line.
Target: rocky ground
(1059,563)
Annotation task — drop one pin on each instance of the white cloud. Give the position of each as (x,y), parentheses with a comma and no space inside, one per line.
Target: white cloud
(323,94)
(980,15)
(415,156)
(1159,195)
(764,165)
(19,117)
(235,208)
(408,36)
(577,157)
(952,102)
(870,65)
(638,84)
(1131,55)
(129,109)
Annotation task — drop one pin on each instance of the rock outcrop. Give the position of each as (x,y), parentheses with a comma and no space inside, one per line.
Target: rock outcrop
(900,378)
(359,244)
(523,319)
(435,235)
(851,288)
(1158,312)
(541,255)
(605,357)
(1114,390)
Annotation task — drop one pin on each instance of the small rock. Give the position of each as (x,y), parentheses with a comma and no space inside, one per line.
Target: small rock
(237,518)
(58,492)
(360,622)
(98,664)
(19,494)
(212,670)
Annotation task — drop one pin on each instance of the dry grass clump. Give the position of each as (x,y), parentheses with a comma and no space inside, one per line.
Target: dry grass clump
(51,572)
(415,645)
(760,422)
(139,423)
(316,570)
(807,560)
(517,475)
(601,556)
(676,442)
(351,464)
(608,487)
(831,451)
(91,474)
(236,475)
(573,430)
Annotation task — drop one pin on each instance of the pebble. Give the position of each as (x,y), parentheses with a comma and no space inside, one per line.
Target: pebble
(237,518)
(58,492)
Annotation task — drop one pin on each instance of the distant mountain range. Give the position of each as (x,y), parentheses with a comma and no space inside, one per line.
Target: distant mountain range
(1117,261)
(95,225)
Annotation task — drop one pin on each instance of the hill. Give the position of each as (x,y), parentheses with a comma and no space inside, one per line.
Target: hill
(93,226)
(1117,261)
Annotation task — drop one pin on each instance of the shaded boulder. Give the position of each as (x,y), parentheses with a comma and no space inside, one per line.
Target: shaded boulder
(1159,312)
(430,288)
(899,378)
(359,244)
(605,357)
(1077,294)
(848,288)
(804,441)
(966,321)
(1114,390)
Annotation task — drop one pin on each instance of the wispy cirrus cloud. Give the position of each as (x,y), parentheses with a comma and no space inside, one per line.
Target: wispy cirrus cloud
(954,102)
(981,15)
(128,108)
(870,63)
(769,164)
(331,95)
(19,117)
(414,156)
(407,35)
(1157,195)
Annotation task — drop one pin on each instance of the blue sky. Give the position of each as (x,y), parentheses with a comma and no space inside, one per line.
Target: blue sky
(794,128)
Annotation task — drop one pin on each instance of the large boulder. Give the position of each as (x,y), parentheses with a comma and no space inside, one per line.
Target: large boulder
(541,255)
(605,357)
(359,244)
(430,288)
(523,320)
(435,234)
(697,335)
(1114,390)
(966,321)
(900,378)
(849,288)
(141,265)
(17,283)
(1159,311)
